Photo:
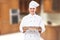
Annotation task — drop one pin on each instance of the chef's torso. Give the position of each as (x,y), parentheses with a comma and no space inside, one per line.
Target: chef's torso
(32,20)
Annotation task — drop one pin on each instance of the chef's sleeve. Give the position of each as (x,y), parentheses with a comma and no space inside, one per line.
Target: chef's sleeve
(21,25)
(42,25)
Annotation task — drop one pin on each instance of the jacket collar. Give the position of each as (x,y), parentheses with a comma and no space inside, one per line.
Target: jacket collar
(32,15)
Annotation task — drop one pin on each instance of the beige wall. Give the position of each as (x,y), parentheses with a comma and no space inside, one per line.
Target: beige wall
(54,17)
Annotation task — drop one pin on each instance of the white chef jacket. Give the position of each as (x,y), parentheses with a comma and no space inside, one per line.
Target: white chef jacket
(30,20)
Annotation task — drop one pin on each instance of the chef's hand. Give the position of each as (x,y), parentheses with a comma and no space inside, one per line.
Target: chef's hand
(24,29)
(39,29)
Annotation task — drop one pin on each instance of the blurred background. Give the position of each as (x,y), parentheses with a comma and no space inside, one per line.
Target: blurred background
(12,11)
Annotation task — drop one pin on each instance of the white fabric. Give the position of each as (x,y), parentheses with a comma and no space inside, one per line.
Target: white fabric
(32,35)
(34,20)
(33,4)
(31,21)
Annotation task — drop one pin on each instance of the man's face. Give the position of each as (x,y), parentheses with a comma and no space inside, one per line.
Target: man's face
(32,10)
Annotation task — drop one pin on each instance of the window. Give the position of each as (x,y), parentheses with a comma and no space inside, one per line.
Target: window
(14,19)
(14,11)
(14,16)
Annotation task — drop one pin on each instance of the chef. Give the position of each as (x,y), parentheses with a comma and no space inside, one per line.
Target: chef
(31,21)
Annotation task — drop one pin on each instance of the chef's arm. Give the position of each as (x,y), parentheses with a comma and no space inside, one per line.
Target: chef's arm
(21,25)
(42,25)
(21,30)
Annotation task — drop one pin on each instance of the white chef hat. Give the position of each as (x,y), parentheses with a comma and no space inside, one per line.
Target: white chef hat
(33,4)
